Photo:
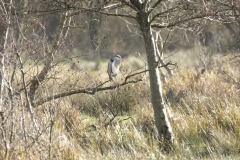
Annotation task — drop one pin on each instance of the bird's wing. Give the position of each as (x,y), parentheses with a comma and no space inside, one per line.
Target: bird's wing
(110,67)
(110,71)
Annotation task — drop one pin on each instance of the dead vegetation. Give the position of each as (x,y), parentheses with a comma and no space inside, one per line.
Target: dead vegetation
(118,124)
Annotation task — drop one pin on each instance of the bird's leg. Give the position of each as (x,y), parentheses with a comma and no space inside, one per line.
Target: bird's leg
(117,84)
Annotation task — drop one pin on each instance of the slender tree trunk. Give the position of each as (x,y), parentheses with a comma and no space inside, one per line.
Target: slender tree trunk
(94,23)
(161,119)
(49,59)
(4,31)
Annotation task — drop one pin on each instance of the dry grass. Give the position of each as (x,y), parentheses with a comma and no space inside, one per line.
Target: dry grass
(118,124)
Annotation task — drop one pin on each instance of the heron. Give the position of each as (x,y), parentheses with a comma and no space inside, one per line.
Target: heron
(113,67)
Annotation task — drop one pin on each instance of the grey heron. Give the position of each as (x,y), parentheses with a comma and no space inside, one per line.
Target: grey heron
(113,66)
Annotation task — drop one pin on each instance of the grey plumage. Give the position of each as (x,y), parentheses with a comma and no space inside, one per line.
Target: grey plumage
(113,67)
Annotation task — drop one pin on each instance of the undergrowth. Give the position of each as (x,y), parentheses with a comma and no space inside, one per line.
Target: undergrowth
(118,124)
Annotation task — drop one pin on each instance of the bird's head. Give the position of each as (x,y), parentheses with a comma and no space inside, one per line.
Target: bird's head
(119,57)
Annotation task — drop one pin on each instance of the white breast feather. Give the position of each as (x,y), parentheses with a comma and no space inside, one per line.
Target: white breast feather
(115,69)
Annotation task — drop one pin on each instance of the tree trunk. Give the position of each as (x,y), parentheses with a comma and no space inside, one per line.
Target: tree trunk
(4,31)
(161,119)
(94,23)
(48,62)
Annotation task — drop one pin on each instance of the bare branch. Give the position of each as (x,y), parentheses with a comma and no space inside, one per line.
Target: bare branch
(24,81)
(154,6)
(84,90)
(134,74)
(81,10)
(129,5)
(28,99)
(136,5)
(118,15)
(93,90)
(112,6)
(173,24)
(162,13)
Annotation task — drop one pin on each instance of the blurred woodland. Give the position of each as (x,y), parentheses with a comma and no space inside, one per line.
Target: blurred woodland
(116,35)
(122,36)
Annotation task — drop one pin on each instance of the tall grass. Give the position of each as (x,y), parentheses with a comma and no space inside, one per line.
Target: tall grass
(118,124)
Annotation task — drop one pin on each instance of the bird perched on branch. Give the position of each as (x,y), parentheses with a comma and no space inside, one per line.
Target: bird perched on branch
(113,66)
